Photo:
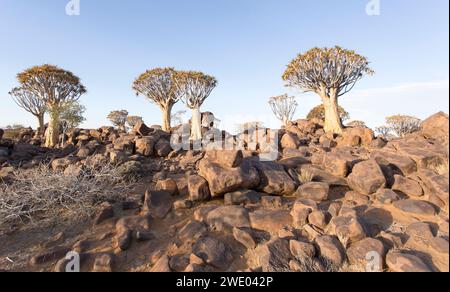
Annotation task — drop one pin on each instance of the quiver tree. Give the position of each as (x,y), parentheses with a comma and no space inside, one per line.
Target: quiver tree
(283,107)
(119,119)
(402,125)
(133,121)
(195,88)
(71,115)
(159,86)
(32,104)
(54,87)
(329,72)
(319,113)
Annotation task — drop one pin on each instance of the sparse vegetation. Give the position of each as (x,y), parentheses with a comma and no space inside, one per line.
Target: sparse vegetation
(319,113)
(43,193)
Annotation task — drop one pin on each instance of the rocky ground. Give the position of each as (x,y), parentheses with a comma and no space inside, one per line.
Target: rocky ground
(352,202)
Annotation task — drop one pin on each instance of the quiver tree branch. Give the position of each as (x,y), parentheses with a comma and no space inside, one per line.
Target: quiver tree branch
(30,103)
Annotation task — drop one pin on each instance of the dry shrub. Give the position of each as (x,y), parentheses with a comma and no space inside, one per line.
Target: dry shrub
(40,193)
(306,176)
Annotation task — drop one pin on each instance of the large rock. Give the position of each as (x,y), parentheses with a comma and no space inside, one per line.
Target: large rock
(275,255)
(142,129)
(399,261)
(436,185)
(163,147)
(158,203)
(145,146)
(290,141)
(301,210)
(339,163)
(198,188)
(367,253)
(348,227)
(270,220)
(224,180)
(315,191)
(400,163)
(213,252)
(407,186)
(231,216)
(274,179)
(367,177)
(415,207)
(356,136)
(437,127)
(229,158)
(331,249)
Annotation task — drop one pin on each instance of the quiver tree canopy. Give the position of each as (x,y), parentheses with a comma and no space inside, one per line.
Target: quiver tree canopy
(196,88)
(283,107)
(159,85)
(30,103)
(53,86)
(329,72)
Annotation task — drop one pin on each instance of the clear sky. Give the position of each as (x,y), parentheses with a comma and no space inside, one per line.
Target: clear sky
(246,44)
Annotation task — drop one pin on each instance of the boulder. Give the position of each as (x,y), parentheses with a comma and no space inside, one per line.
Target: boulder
(244,237)
(158,203)
(407,186)
(436,127)
(228,216)
(401,164)
(142,129)
(399,261)
(242,197)
(331,249)
(270,220)
(435,185)
(348,227)
(356,137)
(386,196)
(290,141)
(227,158)
(162,265)
(275,256)
(367,253)
(302,250)
(198,188)
(274,179)
(163,148)
(315,191)
(367,177)
(213,252)
(301,210)
(169,185)
(415,207)
(145,146)
(224,180)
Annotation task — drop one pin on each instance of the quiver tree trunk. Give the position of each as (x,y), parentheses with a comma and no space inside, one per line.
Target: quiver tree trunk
(52,133)
(196,125)
(333,122)
(41,128)
(166,111)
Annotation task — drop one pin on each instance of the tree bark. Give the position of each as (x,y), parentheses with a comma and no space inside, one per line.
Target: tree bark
(196,125)
(166,110)
(41,129)
(333,122)
(52,133)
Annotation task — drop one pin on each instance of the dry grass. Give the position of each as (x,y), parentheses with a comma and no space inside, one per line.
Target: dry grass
(306,176)
(40,193)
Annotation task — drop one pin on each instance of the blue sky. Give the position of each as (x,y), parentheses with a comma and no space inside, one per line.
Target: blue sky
(246,44)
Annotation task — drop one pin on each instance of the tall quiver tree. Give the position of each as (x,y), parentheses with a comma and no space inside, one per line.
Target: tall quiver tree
(159,86)
(331,73)
(196,88)
(30,103)
(54,87)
